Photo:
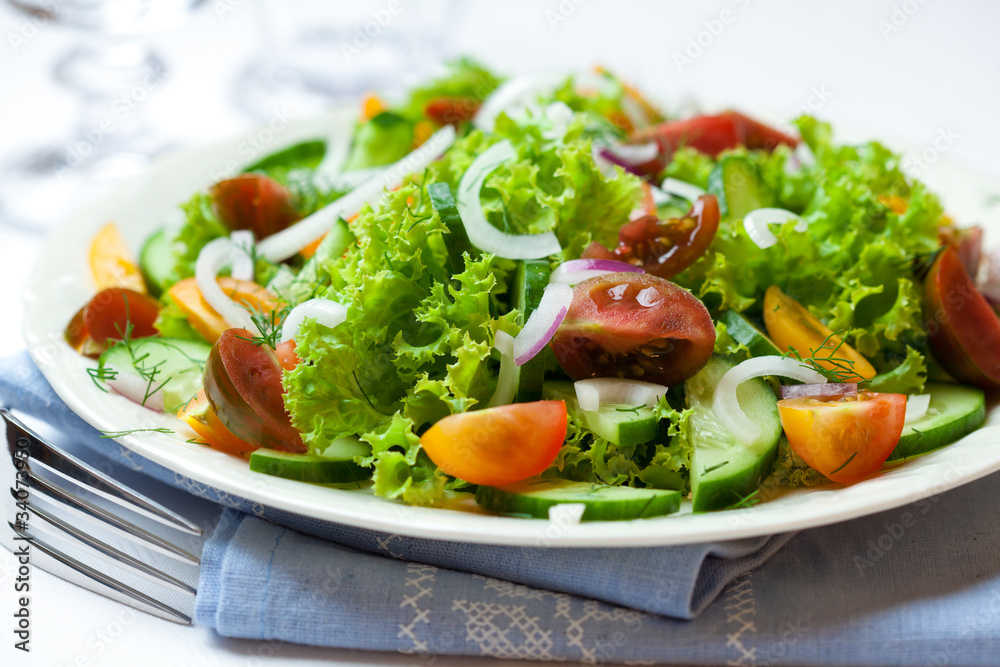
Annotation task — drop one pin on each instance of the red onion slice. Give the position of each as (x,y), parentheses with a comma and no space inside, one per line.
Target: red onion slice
(543,323)
(577,270)
(825,390)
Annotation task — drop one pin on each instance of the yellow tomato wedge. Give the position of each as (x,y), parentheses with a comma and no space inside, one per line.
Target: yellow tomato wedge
(371,106)
(792,327)
(203,420)
(111,261)
(204,319)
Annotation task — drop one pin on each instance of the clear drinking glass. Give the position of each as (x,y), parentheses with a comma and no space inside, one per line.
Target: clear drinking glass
(113,72)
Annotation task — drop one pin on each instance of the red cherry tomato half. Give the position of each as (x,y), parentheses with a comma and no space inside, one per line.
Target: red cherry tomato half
(451,110)
(107,316)
(709,134)
(634,325)
(846,439)
(254,202)
(243,384)
(964,330)
(664,248)
(498,446)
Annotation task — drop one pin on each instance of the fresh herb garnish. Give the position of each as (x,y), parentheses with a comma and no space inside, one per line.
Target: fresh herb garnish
(633,410)
(824,360)
(715,467)
(844,465)
(102,373)
(122,434)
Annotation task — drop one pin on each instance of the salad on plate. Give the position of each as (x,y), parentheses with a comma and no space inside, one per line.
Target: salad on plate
(549,292)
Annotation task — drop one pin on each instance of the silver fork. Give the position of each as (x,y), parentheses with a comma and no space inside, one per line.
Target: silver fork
(47,519)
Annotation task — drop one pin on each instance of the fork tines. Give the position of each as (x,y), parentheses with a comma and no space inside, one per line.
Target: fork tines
(40,509)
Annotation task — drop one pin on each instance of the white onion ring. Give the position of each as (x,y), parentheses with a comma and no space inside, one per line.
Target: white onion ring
(543,322)
(756,223)
(324,311)
(511,96)
(726,404)
(279,247)
(592,393)
(681,189)
(917,406)
(510,373)
(481,233)
(242,267)
(217,254)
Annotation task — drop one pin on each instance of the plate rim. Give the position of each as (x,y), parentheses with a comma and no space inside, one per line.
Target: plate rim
(887,490)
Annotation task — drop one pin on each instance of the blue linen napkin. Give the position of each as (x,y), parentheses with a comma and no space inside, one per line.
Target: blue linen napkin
(919,585)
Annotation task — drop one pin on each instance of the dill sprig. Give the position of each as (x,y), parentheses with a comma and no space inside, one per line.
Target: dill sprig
(715,467)
(268,325)
(634,410)
(102,374)
(121,434)
(845,463)
(746,501)
(824,360)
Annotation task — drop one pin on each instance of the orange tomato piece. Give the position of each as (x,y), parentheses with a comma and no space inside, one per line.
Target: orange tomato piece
(498,446)
(846,439)
(371,106)
(792,327)
(112,263)
(203,317)
(203,420)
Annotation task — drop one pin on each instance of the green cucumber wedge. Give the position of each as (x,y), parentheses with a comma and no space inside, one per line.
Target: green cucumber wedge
(156,262)
(602,503)
(955,411)
(724,471)
(737,183)
(747,333)
(338,469)
(171,367)
(623,425)
(446,207)
(530,280)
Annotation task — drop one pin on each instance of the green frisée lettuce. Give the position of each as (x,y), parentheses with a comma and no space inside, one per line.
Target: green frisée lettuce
(854,265)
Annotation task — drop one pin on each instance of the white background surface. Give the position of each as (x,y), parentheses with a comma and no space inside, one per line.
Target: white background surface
(935,73)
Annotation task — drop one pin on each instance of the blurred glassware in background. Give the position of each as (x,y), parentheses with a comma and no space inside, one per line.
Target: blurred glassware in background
(317,53)
(113,73)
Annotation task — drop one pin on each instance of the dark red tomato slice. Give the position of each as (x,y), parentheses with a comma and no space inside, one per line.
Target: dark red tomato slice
(243,384)
(664,248)
(452,110)
(106,317)
(968,243)
(634,325)
(964,330)
(254,202)
(709,134)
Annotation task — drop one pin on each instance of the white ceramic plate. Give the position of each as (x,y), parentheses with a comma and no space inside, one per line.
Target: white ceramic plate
(61,283)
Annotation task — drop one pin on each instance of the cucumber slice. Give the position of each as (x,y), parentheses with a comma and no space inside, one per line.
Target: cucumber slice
(737,183)
(624,425)
(746,332)
(603,503)
(447,209)
(724,470)
(530,280)
(175,363)
(335,466)
(955,411)
(156,262)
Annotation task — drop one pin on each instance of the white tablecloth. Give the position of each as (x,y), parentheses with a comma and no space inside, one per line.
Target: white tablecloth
(909,71)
